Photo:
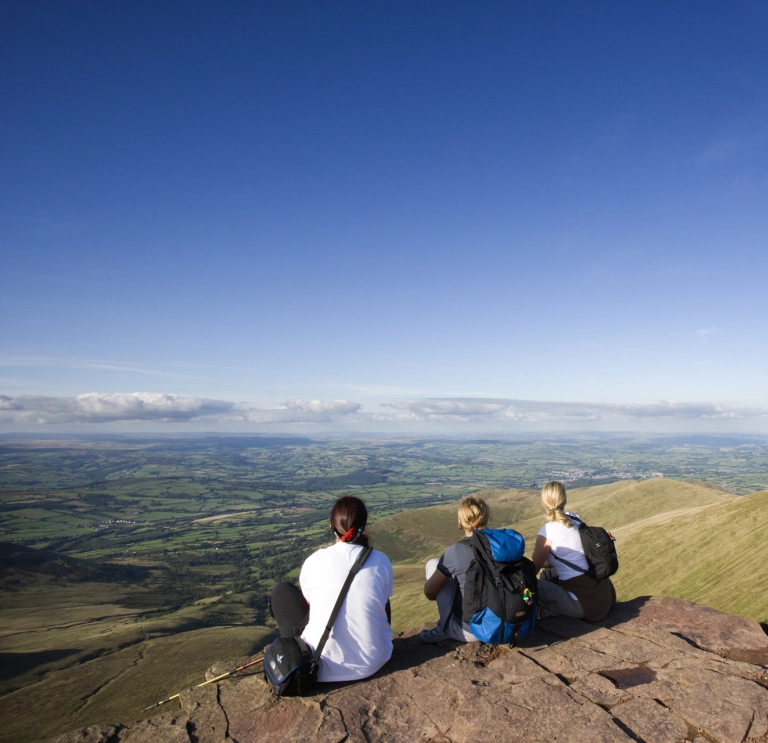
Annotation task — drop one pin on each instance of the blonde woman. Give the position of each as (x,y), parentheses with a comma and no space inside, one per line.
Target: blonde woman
(446,575)
(564,590)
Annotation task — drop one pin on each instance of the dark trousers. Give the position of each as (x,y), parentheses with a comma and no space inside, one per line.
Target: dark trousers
(289,609)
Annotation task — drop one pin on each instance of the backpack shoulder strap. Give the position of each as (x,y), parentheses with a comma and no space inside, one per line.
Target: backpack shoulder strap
(565,562)
(580,523)
(483,556)
(362,557)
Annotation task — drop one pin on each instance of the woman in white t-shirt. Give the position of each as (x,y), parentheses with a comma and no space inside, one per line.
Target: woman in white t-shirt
(563,589)
(360,642)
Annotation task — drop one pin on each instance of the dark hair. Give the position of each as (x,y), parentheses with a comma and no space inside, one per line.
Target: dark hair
(349,512)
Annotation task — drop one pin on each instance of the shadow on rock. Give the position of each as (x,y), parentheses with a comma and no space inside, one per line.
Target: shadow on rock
(408,651)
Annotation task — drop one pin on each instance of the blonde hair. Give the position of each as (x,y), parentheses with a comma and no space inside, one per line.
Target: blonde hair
(553,502)
(473,513)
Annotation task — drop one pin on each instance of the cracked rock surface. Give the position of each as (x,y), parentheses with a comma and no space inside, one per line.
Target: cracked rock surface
(656,671)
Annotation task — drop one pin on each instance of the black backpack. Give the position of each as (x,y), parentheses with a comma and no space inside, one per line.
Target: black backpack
(290,667)
(599,550)
(500,588)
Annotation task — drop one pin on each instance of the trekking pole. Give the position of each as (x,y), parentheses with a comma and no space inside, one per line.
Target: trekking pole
(205,683)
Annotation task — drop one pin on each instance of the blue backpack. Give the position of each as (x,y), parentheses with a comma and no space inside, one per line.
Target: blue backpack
(499,602)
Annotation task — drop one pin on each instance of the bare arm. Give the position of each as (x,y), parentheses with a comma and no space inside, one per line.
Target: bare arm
(433,585)
(541,552)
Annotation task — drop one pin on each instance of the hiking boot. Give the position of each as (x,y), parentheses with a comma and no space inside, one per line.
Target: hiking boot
(434,635)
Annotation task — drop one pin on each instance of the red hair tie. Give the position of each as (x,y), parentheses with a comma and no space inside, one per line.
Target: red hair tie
(351,535)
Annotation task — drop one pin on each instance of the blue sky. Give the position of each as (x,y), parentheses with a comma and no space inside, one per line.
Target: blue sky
(383,216)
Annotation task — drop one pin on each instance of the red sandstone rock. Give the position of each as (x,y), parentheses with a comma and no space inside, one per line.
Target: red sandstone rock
(651,721)
(657,671)
(707,628)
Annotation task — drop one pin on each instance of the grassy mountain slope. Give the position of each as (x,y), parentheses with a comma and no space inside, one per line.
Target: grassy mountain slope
(684,539)
(118,685)
(630,502)
(715,555)
(81,643)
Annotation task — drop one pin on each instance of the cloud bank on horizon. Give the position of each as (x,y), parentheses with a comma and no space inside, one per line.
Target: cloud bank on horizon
(505,410)
(149,407)
(93,407)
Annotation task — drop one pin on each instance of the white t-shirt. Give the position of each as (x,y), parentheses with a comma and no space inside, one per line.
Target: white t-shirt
(361,639)
(566,543)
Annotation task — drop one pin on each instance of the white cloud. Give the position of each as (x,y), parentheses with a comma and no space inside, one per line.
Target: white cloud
(451,408)
(704,333)
(93,407)
(300,411)
(151,406)
(503,410)
(341,407)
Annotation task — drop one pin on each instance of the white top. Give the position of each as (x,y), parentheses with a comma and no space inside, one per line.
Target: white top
(361,639)
(565,542)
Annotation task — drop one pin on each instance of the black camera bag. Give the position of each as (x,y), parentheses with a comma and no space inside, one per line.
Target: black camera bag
(290,667)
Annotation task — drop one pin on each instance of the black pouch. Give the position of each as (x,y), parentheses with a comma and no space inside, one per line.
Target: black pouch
(289,667)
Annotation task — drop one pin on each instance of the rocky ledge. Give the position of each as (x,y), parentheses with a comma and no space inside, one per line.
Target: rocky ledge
(658,671)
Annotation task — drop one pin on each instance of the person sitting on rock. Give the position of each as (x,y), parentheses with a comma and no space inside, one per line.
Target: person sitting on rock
(562,590)
(446,575)
(360,642)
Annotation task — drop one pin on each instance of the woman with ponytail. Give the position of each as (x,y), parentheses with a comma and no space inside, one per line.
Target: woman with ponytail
(447,575)
(563,589)
(361,638)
